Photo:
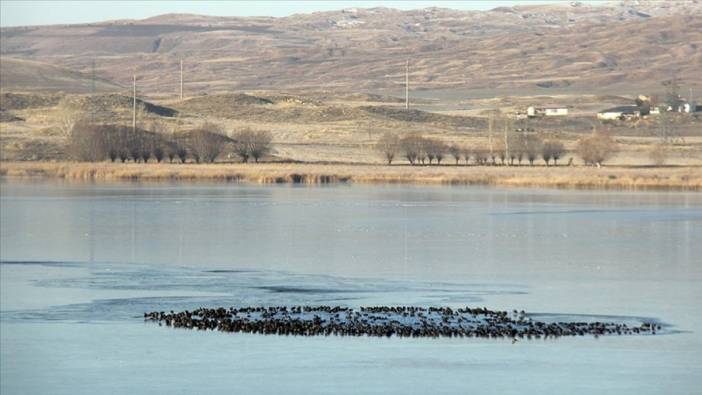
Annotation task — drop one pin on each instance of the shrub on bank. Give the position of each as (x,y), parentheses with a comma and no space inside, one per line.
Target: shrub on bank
(596,149)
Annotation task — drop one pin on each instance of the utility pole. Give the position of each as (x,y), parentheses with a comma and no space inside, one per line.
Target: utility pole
(407,85)
(526,127)
(93,80)
(134,103)
(181,79)
(506,126)
(92,94)
(490,122)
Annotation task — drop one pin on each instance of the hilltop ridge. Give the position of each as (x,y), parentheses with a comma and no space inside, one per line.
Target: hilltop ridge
(630,43)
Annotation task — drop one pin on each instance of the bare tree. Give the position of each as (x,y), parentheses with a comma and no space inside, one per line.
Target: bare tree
(120,142)
(260,144)
(430,147)
(596,149)
(411,147)
(483,156)
(207,142)
(134,143)
(422,154)
(552,150)
(158,152)
(493,116)
(388,145)
(659,154)
(557,151)
(147,147)
(455,151)
(517,148)
(467,153)
(175,147)
(159,148)
(532,148)
(242,143)
(181,151)
(439,149)
(507,126)
(87,142)
(116,149)
(95,142)
(252,144)
(66,119)
(499,151)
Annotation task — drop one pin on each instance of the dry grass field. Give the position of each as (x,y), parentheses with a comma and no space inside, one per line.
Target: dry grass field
(573,177)
(318,128)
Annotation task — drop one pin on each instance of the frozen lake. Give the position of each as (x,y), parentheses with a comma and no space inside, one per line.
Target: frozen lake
(81,263)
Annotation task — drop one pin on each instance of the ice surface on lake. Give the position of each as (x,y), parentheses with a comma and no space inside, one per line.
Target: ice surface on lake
(83,262)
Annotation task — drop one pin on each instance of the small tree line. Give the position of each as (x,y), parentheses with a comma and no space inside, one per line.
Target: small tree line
(518,149)
(118,143)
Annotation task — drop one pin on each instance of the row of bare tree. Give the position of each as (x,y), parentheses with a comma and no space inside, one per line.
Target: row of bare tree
(418,149)
(96,142)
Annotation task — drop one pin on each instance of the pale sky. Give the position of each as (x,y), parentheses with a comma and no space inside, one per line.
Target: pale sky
(26,12)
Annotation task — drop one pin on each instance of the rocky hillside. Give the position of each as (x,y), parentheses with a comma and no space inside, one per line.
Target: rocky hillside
(633,44)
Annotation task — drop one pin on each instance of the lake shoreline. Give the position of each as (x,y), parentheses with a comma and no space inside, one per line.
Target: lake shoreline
(688,178)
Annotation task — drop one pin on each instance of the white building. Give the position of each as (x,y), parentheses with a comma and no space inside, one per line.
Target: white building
(621,112)
(546,111)
(556,111)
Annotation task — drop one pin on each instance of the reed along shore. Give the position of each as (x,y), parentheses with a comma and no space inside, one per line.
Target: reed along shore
(687,178)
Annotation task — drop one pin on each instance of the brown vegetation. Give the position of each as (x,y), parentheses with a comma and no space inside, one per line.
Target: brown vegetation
(659,154)
(388,145)
(252,144)
(511,151)
(207,142)
(97,142)
(94,142)
(575,177)
(552,150)
(596,149)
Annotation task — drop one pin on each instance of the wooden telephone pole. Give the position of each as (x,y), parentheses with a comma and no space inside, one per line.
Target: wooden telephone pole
(506,128)
(491,120)
(92,94)
(181,79)
(407,85)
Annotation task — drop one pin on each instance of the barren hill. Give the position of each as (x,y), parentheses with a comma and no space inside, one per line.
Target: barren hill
(28,75)
(634,44)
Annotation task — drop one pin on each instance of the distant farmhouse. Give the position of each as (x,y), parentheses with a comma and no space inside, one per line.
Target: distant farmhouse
(621,112)
(688,107)
(643,108)
(533,112)
(679,104)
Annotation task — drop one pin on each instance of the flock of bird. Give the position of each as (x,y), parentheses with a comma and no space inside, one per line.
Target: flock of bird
(388,321)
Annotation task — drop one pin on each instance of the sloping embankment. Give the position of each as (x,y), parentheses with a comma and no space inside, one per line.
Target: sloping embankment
(667,178)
